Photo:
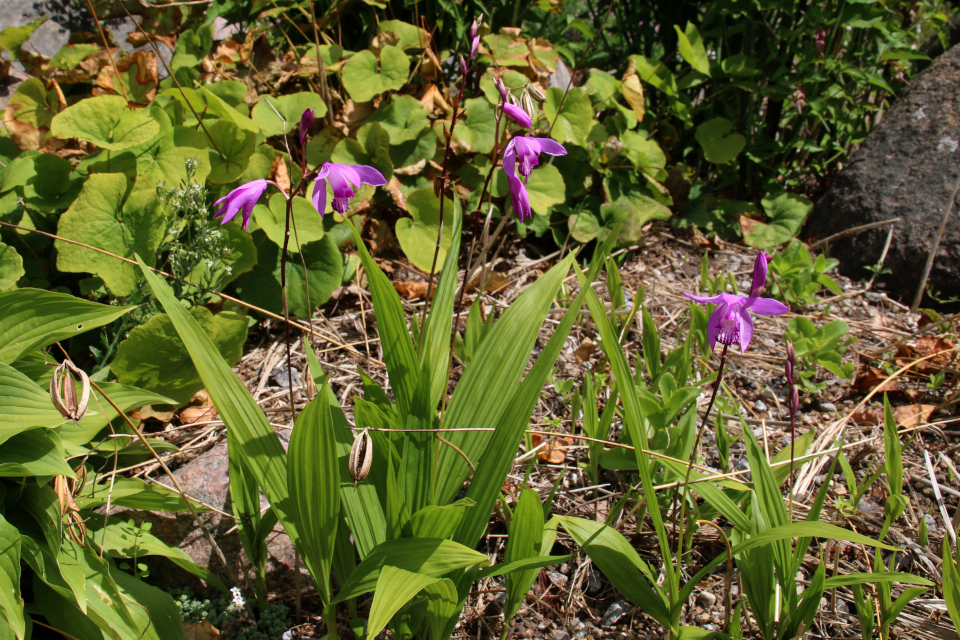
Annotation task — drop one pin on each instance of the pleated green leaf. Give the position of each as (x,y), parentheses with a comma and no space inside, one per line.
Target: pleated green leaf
(442,607)
(633,419)
(429,556)
(23,404)
(398,352)
(951,582)
(488,384)
(32,318)
(524,541)
(11,604)
(263,454)
(620,562)
(395,588)
(314,482)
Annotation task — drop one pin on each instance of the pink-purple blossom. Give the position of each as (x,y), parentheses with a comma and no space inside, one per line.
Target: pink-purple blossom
(731,322)
(522,155)
(519,116)
(343,179)
(242,198)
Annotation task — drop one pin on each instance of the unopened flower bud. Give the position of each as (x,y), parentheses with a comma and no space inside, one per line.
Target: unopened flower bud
(526,103)
(791,362)
(794,401)
(463,65)
(498,83)
(63,391)
(361,457)
(536,94)
(475,26)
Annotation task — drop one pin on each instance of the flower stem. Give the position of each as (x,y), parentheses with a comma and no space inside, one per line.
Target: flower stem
(693,454)
(442,187)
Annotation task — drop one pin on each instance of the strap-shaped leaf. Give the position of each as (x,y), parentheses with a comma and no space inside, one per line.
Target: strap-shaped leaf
(263,454)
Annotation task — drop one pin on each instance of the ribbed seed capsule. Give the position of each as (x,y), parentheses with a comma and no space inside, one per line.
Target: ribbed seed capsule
(361,457)
(527,105)
(536,94)
(512,99)
(63,391)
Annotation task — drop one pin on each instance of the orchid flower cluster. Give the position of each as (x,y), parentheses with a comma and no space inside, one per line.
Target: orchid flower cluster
(731,322)
(520,156)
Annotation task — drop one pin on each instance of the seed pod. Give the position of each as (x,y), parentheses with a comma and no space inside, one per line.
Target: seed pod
(527,105)
(536,94)
(613,147)
(512,99)
(361,457)
(63,391)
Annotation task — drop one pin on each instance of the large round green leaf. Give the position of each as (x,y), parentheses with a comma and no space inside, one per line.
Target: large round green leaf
(97,218)
(291,107)
(418,234)
(632,210)
(29,113)
(403,118)
(164,161)
(11,266)
(573,121)
(230,155)
(154,358)
(261,286)
(106,122)
(475,132)
(365,77)
(545,188)
(719,145)
(786,212)
(272,220)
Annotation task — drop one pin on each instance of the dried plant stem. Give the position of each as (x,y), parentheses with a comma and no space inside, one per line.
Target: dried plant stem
(106,46)
(693,454)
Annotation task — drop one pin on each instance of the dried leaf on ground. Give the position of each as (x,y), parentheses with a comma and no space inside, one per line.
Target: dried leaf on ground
(585,351)
(556,450)
(200,631)
(927,346)
(910,415)
(411,290)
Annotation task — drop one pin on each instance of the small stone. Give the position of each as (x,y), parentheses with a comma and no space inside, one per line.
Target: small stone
(828,407)
(614,612)
(565,569)
(768,394)
(557,578)
(707,598)
(931,523)
(560,634)
(760,405)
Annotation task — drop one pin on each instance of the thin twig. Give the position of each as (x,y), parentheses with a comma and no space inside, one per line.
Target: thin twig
(935,247)
(106,45)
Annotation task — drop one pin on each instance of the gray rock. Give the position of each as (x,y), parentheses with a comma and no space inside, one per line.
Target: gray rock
(828,407)
(560,634)
(707,598)
(614,612)
(760,405)
(906,168)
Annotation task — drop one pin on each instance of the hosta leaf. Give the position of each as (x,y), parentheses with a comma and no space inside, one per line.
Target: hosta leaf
(164,161)
(107,122)
(395,588)
(719,145)
(154,358)
(291,107)
(96,218)
(34,453)
(231,152)
(573,121)
(261,286)
(365,77)
(272,220)
(33,318)
(11,604)
(418,234)
(11,266)
(29,113)
(786,212)
(475,132)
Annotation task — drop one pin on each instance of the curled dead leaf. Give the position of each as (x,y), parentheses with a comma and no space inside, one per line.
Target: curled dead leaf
(412,290)
(909,415)
(632,90)
(584,352)
(556,450)
(200,631)
(279,172)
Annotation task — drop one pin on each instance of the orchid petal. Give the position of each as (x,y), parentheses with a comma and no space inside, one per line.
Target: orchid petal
(713,324)
(746,329)
(766,306)
(369,175)
(519,198)
(320,195)
(554,148)
(704,299)
(339,184)
(349,173)
(510,160)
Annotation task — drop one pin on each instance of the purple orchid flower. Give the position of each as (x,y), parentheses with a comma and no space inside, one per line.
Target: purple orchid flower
(306,121)
(243,197)
(343,179)
(519,116)
(527,150)
(502,88)
(731,322)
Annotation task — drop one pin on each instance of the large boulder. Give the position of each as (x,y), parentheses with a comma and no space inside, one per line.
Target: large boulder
(907,168)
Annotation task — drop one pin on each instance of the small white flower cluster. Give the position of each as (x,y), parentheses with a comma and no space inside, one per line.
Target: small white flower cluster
(238,600)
